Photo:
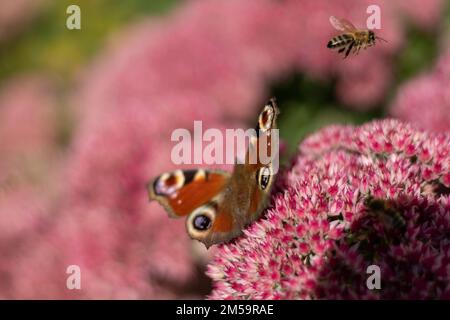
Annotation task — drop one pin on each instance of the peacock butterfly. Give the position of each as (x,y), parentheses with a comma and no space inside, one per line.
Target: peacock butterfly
(219,204)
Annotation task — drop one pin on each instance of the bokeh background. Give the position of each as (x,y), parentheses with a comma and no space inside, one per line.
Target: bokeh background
(86,117)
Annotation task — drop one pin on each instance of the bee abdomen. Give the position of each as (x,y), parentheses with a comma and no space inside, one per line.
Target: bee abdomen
(339,41)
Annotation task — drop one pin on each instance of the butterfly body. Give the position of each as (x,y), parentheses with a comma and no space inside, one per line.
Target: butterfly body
(218,205)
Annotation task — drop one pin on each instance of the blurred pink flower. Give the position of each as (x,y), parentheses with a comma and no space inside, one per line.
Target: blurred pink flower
(425,100)
(28,131)
(355,197)
(28,134)
(125,246)
(424,14)
(17,216)
(228,51)
(28,109)
(30,259)
(29,183)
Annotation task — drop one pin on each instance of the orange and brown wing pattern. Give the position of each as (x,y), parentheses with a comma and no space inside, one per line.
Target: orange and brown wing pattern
(181,192)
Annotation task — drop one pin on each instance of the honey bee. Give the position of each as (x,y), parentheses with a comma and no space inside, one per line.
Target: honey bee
(352,38)
(386,212)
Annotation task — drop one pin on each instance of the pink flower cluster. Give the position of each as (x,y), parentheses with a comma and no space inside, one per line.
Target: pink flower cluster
(28,109)
(356,196)
(28,168)
(424,14)
(425,100)
(125,245)
(28,131)
(230,50)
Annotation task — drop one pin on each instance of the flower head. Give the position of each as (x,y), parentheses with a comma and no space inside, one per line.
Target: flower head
(356,197)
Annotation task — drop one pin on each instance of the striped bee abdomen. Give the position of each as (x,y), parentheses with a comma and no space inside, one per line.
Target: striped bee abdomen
(340,40)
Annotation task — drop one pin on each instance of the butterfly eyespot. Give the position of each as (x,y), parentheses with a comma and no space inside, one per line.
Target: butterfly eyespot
(263,177)
(266,118)
(201,222)
(169,183)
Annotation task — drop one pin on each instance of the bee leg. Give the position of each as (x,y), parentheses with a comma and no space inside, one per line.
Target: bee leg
(360,44)
(355,49)
(341,50)
(349,49)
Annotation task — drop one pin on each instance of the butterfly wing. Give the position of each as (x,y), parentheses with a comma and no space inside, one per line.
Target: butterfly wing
(181,192)
(213,222)
(244,197)
(263,174)
(219,205)
(342,24)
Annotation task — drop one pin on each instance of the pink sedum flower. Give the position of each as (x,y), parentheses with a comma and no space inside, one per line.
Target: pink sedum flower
(127,247)
(356,196)
(424,14)
(425,100)
(30,164)
(28,109)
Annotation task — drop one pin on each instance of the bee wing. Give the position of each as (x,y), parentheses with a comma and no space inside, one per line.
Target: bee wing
(342,24)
